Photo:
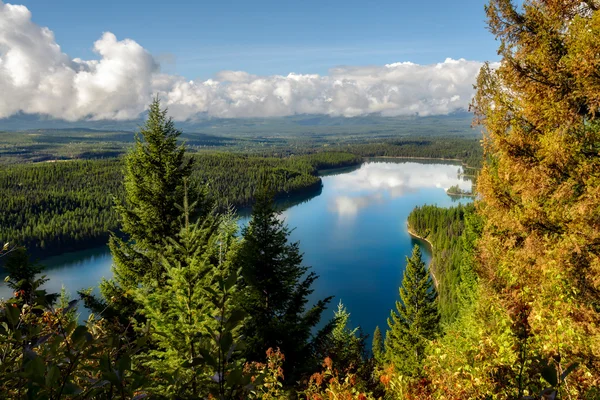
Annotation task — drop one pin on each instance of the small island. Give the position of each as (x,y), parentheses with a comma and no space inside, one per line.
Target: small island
(457,191)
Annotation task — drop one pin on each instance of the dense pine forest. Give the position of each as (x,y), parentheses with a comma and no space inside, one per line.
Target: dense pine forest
(61,206)
(451,233)
(509,309)
(468,151)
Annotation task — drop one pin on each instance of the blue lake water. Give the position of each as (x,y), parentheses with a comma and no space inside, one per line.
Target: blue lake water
(353,234)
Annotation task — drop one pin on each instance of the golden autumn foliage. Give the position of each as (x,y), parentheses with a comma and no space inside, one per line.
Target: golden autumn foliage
(532,328)
(330,384)
(539,255)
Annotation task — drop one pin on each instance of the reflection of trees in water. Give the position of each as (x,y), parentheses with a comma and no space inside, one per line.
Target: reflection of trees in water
(403,160)
(285,201)
(340,171)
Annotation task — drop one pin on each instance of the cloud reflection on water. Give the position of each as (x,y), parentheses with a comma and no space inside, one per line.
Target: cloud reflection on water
(349,206)
(373,182)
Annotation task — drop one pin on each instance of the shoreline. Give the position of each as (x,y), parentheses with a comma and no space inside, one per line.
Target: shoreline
(461,195)
(420,158)
(462,163)
(430,266)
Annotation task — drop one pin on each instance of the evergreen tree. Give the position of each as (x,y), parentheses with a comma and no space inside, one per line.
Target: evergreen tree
(344,348)
(156,171)
(276,291)
(377,346)
(194,322)
(23,278)
(417,319)
(347,346)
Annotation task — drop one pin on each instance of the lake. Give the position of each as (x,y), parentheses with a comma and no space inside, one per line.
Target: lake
(353,234)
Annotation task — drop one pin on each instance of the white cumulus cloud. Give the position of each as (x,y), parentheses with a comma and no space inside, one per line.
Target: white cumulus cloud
(37,77)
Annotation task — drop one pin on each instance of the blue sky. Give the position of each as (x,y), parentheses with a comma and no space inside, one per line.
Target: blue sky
(196,39)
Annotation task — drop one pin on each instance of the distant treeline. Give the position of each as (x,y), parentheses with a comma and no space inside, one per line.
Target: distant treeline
(469,151)
(64,206)
(466,150)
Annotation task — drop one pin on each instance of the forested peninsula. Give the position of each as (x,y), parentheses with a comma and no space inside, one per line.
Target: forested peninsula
(63,206)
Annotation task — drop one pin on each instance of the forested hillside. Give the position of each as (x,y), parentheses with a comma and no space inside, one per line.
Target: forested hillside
(60,206)
(444,229)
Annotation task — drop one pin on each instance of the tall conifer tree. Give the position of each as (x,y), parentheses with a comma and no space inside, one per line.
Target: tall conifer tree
(277,289)
(417,319)
(156,170)
(347,346)
(377,346)
(194,320)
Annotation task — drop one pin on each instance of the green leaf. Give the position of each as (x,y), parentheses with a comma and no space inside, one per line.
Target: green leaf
(550,375)
(12,314)
(52,376)
(71,388)
(226,341)
(80,334)
(208,358)
(123,364)
(104,363)
(212,333)
(231,280)
(567,371)
(111,377)
(236,316)
(35,370)
(234,377)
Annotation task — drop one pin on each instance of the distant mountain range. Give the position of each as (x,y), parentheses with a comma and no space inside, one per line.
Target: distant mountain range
(457,123)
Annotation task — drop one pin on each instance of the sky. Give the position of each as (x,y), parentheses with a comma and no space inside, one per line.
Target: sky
(104,60)
(197,39)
